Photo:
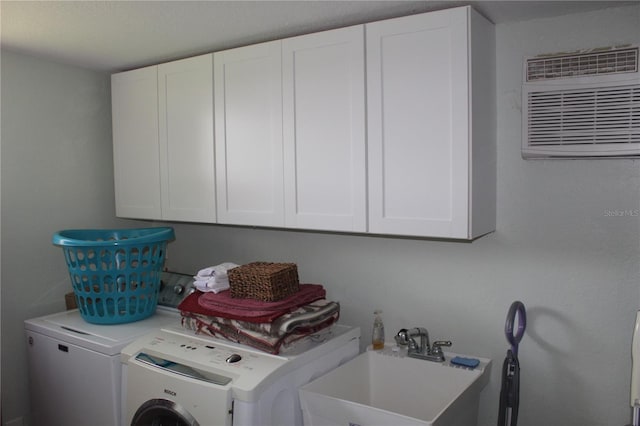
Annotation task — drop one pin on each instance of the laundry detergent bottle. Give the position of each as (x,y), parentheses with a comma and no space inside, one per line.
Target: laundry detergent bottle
(377,336)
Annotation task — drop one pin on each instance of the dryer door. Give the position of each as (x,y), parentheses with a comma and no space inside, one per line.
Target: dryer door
(162,412)
(163,392)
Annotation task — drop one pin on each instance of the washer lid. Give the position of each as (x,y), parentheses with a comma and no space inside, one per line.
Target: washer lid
(70,327)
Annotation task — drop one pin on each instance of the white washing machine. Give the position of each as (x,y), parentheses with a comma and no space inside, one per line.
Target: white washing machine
(75,374)
(175,377)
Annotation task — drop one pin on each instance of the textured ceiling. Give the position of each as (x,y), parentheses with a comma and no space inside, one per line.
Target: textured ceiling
(117,35)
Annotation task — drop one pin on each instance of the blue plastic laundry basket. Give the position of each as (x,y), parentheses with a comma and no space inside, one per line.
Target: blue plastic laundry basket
(115,273)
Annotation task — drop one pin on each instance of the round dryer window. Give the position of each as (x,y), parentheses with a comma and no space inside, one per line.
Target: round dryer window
(162,412)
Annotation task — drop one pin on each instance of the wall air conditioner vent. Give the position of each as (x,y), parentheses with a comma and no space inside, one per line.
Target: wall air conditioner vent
(587,64)
(582,105)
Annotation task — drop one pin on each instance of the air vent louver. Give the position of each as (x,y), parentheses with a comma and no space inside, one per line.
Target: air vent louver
(585,64)
(585,116)
(582,105)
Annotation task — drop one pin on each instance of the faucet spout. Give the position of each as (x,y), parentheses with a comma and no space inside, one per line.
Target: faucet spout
(407,337)
(425,346)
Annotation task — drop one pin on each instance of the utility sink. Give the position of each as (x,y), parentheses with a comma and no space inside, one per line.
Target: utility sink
(388,388)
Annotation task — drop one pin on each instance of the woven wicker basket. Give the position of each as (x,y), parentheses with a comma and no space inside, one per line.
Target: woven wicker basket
(264,281)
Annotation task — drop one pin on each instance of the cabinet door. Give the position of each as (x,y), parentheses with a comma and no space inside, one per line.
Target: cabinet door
(134,100)
(418,125)
(185,105)
(324,130)
(248,130)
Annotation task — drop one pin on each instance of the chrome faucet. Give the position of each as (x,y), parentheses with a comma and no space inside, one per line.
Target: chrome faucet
(422,350)
(406,337)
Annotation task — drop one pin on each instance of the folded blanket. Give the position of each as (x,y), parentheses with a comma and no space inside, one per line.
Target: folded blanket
(269,337)
(223,305)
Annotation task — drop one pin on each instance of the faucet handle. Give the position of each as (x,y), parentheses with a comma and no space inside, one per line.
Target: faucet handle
(436,348)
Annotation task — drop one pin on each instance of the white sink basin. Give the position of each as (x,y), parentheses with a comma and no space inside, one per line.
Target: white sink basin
(388,388)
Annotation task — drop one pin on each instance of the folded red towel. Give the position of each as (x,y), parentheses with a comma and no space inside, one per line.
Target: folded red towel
(223,305)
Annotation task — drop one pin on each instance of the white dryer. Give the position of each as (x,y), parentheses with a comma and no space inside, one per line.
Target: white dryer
(174,377)
(75,374)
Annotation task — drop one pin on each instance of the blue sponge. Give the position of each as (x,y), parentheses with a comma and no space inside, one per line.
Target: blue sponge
(465,362)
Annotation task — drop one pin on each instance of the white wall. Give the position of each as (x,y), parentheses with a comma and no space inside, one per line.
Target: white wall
(575,267)
(57,173)
(556,249)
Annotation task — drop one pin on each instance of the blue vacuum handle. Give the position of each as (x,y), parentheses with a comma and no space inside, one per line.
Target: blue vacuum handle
(517,309)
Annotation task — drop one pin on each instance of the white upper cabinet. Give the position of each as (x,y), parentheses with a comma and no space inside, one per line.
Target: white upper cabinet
(382,128)
(431,125)
(248,123)
(134,102)
(163,141)
(324,130)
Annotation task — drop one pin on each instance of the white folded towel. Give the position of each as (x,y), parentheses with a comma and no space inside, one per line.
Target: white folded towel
(211,285)
(213,278)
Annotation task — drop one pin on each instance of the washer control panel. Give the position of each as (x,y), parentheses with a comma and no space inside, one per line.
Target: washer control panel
(174,288)
(204,358)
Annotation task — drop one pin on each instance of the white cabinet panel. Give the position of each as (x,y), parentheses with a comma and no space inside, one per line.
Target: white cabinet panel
(163,141)
(134,100)
(185,91)
(324,130)
(419,135)
(248,119)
